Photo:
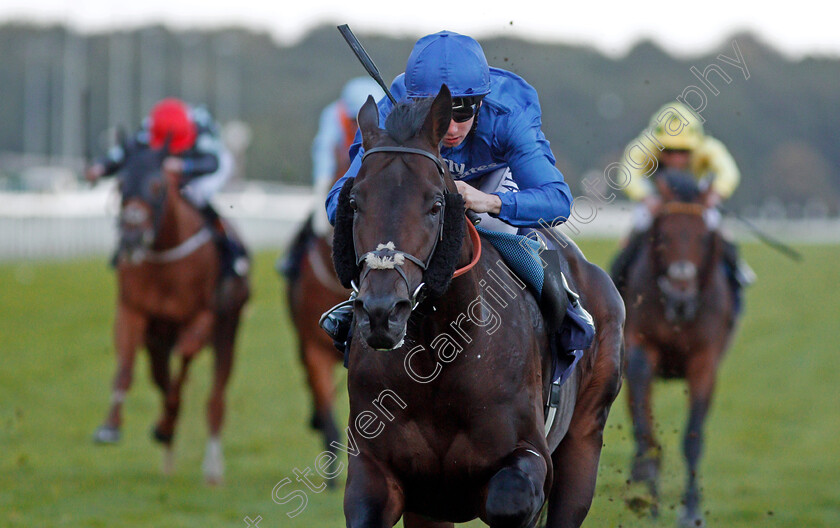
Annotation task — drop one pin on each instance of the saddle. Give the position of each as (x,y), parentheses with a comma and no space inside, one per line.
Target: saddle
(570,327)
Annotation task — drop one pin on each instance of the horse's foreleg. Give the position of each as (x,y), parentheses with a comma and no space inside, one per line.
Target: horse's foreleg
(320,364)
(196,334)
(129,328)
(640,373)
(515,494)
(372,496)
(164,431)
(701,382)
(223,347)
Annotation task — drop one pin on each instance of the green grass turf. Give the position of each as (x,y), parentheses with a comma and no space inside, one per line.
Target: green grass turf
(772,452)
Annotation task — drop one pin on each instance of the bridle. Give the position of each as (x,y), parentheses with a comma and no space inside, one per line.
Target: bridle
(387,256)
(672,296)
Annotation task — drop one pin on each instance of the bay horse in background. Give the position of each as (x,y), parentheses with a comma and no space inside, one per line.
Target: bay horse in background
(312,291)
(446,413)
(170,299)
(680,322)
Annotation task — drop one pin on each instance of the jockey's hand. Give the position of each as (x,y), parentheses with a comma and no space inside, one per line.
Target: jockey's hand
(479,201)
(712,200)
(94,172)
(653,202)
(173,164)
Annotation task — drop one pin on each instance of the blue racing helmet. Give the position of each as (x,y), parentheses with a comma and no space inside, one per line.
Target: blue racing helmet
(447,58)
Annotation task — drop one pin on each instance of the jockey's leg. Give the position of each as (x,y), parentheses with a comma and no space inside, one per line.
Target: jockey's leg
(737,271)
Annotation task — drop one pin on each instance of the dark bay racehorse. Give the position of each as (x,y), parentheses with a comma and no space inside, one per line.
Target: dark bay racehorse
(680,321)
(170,300)
(447,393)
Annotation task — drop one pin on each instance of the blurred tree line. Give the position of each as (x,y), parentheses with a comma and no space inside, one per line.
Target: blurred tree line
(781,124)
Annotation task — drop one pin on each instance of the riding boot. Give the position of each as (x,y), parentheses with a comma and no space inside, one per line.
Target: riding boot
(554,300)
(233,256)
(570,327)
(337,322)
(621,264)
(289,266)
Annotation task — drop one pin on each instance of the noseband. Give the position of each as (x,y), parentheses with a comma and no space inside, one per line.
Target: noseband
(387,256)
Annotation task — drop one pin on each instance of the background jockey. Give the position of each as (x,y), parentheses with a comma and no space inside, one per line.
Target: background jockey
(330,159)
(683,146)
(196,154)
(495,148)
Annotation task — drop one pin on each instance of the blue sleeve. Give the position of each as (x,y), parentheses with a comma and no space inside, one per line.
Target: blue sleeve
(543,193)
(332,198)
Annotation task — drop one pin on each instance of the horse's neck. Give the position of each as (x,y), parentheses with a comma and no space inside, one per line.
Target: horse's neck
(464,288)
(179,221)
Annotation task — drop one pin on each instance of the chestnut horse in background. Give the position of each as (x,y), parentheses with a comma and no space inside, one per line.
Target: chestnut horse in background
(448,377)
(680,322)
(171,300)
(312,292)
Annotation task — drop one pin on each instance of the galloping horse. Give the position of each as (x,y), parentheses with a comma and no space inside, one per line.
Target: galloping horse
(680,321)
(312,292)
(170,300)
(448,377)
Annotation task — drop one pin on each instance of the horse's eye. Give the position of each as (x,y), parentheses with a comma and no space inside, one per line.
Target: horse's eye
(438,205)
(353,205)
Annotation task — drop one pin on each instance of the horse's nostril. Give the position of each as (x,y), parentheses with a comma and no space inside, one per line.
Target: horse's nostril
(383,313)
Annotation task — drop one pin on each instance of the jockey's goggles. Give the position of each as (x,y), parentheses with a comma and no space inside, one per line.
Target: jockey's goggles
(464,108)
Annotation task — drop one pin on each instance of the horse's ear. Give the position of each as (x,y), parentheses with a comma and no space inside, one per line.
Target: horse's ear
(368,120)
(440,114)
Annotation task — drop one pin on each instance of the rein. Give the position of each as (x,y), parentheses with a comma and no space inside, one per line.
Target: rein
(476,240)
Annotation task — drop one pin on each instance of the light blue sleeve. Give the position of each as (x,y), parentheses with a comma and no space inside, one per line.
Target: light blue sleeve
(357,151)
(327,140)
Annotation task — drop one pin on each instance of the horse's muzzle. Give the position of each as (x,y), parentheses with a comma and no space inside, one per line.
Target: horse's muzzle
(381,320)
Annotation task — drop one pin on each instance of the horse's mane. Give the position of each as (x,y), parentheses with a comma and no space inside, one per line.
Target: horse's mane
(405,119)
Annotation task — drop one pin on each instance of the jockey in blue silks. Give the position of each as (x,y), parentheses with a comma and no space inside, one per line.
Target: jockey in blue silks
(495,149)
(494,135)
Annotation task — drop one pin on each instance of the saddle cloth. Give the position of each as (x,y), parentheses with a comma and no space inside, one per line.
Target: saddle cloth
(577,331)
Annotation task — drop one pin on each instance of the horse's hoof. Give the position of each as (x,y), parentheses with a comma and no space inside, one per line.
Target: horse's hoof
(214,480)
(214,463)
(168,463)
(162,438)
(645,469)
(691,519)
(106,434)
